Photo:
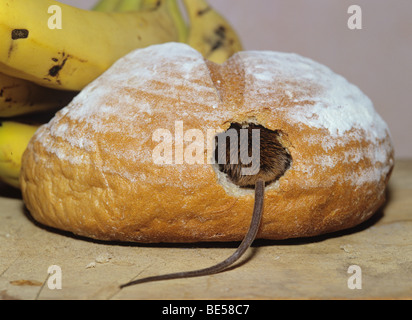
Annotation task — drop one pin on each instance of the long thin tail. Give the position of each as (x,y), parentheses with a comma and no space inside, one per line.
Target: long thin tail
(246,243)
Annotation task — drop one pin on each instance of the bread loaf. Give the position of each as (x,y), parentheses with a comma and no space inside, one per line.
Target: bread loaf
(96,169)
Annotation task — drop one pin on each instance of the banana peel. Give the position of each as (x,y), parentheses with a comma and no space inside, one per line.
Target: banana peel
(14,138)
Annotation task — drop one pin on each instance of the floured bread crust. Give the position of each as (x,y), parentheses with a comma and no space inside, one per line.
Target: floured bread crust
(91,170)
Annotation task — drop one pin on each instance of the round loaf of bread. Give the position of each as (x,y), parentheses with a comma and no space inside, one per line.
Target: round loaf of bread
(129,159)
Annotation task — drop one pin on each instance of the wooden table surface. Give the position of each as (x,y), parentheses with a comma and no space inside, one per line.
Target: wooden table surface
(314,268)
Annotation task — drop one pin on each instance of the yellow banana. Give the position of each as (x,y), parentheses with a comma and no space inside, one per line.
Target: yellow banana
(18,97)
(87,45)
(14,138)
(210,33)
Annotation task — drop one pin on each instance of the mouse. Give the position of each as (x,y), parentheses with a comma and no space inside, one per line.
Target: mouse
(273,161)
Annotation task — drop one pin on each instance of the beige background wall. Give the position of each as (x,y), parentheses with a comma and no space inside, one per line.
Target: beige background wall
(377,58)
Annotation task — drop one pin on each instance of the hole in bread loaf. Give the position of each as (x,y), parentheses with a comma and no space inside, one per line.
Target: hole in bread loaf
(247,152)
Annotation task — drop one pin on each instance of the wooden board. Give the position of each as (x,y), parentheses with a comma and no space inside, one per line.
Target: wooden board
(314,268)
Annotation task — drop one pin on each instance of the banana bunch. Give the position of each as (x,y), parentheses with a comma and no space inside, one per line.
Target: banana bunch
(42,69)
(88,43)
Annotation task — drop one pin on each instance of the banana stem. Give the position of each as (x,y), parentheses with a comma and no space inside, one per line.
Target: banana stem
(106,5)
(151,4)
(128,5)
(180,23)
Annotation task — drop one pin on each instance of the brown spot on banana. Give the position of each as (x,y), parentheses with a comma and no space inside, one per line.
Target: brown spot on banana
(204,11)
(11,48)
(19,34)
(3,94)
(219,40)
(54,71)
(16,34)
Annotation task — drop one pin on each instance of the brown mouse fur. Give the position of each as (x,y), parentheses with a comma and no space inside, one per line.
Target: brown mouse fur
(274,158)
